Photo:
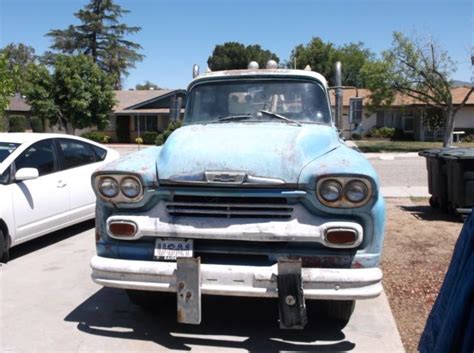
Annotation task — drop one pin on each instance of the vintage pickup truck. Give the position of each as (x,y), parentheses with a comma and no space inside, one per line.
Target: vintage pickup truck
(255,196)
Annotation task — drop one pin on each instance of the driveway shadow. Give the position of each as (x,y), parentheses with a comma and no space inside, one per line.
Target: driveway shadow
(49,239)
(427,213)
(242,323)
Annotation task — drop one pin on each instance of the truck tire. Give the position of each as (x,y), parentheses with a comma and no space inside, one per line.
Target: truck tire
(4,251)
(339,310)
(148,300)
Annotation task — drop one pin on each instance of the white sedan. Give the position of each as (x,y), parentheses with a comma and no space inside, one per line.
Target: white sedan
(45,184)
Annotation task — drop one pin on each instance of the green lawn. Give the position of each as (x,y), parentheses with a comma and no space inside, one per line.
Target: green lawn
(401,146)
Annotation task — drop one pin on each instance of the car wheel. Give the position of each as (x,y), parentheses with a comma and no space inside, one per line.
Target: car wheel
(340,310)
(148,300)
(4,251)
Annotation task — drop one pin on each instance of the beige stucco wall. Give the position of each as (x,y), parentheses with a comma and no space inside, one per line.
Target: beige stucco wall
(465,118)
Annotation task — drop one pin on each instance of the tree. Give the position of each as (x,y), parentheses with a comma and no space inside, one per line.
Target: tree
(101,36)
(233,55)
(419,69)
(147,86)
(76,95)
(322,56)
(6,86)
(18,57)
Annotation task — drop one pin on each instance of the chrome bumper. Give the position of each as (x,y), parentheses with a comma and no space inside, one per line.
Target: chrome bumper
(245,281)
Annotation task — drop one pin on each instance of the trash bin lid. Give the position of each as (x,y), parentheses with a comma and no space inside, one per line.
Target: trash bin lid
(458,153)
(432,152)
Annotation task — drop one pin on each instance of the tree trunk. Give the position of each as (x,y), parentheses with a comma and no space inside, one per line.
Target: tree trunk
(448,132)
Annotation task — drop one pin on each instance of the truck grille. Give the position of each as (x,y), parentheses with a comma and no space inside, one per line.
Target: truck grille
(229,207)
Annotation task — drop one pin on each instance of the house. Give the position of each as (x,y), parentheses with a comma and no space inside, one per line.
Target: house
(17,106)
(139,111)
(407,115)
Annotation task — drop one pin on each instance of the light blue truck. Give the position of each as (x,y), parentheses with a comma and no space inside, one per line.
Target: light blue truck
(255,196)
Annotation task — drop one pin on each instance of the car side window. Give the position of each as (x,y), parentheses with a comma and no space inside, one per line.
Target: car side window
(99,152)
(76,153)
(40,155)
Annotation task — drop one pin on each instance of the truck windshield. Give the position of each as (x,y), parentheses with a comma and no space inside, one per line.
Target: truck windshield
(6,148)
(300,101)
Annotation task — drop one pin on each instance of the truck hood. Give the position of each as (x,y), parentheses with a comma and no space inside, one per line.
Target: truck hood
(243,153)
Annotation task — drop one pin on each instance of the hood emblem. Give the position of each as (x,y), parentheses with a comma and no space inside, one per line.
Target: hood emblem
(225,177)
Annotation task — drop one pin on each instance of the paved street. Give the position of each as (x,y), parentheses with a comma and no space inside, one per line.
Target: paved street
(49,303)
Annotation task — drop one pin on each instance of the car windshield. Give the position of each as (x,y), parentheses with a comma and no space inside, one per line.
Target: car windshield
(258,100)
(6,148)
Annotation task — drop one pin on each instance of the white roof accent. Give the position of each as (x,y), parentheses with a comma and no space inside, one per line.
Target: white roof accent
(261,73)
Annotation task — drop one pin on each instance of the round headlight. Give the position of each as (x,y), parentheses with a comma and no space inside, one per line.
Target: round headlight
(130,187)
(356,191)
(109,187)
(330,190)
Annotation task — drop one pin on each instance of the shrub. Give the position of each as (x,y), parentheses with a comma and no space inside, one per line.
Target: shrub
(97,136)
(36,124)
(468,138)
(17,123)
(382,132)
(149,137)
(161,138)
(3,123)
(138,140)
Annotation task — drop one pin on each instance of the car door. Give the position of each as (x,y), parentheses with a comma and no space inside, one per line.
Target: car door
(79,161)
(40,205)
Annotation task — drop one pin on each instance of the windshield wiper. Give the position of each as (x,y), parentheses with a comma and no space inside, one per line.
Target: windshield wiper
(230,117)
(281,117)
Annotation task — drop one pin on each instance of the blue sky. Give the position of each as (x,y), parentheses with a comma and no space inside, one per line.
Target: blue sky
(177,34)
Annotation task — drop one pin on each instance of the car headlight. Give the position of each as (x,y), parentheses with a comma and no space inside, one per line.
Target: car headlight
(356,191)
(130,187)
(344,191)
(331,190)
(109,187)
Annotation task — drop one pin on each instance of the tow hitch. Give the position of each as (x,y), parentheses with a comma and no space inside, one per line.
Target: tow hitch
(290,295)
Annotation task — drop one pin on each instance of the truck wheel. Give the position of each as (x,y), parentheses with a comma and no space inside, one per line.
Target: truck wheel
(4,251)
(148,300)
(340,310)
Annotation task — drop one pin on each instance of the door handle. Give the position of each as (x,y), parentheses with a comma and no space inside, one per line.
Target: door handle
(61,184)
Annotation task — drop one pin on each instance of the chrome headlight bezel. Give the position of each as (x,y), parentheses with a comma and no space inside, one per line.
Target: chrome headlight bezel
(345,181)
(120,197)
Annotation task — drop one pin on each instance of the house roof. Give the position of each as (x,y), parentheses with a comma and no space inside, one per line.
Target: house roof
(129,101)
(17,103)
(402,100)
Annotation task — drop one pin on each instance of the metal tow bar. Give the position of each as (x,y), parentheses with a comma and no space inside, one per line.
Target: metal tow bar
(188,283)
(290,295)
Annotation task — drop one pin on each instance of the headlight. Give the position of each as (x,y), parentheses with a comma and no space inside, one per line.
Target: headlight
(331,190)
(130,187)
(109,187)
(356,191)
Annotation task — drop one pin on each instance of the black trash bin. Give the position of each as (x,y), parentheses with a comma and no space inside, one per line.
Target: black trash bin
(460,178)
(437,177)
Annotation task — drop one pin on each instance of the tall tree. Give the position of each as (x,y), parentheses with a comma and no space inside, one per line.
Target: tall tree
(233,55)
(76,95)
(420,69)
(6,88)
(101,36)
(18,57)
(322,56)
(147,86)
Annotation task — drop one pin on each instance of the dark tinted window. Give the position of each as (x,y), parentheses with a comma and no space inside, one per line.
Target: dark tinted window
(99,152)
(40,155)
(5,177)
(6,148)
(75,153)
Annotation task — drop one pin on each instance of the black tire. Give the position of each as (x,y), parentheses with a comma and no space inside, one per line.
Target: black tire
(148,300)
(434,202)
(4,248)
(339,310)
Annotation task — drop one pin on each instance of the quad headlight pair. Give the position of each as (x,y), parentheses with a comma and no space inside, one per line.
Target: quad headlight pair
(344,191)
(119,188)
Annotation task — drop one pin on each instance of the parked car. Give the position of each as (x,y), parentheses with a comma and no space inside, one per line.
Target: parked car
(45,184)
(255,196)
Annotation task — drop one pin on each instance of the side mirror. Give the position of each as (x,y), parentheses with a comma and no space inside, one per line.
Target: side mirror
(26,174)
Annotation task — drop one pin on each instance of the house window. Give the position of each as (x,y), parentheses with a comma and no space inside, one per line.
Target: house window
(380,119)
(409,124)
(147,123)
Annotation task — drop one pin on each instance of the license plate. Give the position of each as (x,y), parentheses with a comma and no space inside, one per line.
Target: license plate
(170,249)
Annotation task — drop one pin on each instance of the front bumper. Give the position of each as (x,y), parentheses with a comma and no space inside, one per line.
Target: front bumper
(232,280)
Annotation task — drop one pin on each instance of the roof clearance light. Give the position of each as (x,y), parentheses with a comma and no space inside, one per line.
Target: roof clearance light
(272,64)
(253,65)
